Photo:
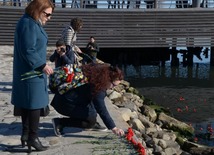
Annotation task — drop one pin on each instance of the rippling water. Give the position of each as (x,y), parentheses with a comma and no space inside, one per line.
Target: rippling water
(167,84)
(198,70)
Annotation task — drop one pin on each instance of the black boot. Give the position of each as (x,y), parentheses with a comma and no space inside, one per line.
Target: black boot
(25,127)
(58,128)
(24,139)
(36,144)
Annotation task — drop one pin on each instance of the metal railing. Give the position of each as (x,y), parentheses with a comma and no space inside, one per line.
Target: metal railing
(120,4)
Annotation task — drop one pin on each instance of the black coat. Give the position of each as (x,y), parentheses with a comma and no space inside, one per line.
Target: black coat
(78,103)
(67,58)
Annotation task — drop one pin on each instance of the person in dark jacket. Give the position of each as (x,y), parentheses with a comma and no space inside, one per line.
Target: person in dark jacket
(91,50)
(62,55)
(30,51)
(81,105)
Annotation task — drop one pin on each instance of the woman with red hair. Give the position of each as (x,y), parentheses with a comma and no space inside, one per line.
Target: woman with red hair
(82,104)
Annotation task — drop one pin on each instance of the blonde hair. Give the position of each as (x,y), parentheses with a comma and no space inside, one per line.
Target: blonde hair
(36,7)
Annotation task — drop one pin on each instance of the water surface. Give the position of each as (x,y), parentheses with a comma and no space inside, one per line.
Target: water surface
(186,91)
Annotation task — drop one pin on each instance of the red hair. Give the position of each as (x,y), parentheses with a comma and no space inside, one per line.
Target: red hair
(36,7)
(100,76)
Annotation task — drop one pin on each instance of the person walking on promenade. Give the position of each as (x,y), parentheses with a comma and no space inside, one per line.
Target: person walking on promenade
(149,4)
(138,4)
(15,2)
(63,2)
(109,4)
(80,105)
(31,95)
(91,50)
(116,4)
(74,4)
(62,54)
(69,35)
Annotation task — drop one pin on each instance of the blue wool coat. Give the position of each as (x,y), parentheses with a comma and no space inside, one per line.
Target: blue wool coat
(30,43)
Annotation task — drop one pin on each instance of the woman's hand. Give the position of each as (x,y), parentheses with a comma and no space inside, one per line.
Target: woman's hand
(118,131)
(48,70)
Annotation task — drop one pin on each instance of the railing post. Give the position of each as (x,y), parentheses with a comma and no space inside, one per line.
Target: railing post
(196,3)
(211,56)
(155,4)
(81,3)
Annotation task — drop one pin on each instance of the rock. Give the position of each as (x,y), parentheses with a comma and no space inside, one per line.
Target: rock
(120,102)
(131,106)
(185,153)
(153,131)
(176,125)
(157,149)
(162,143)
(128,96)
(202,150)
(187,145)
(120,88)
(145,121)
(172,151)
(126,114)
(137,125)
(146,110)
(133,90)
(146,137)
(109,91)
(126,84)
(114,95)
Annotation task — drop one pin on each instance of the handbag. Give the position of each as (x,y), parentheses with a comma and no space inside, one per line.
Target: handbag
(66,78)
(43,112)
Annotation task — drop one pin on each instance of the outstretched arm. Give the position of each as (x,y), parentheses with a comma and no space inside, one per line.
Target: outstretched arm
(101,109)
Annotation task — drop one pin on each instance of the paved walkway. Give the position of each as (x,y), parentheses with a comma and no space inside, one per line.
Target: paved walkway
(75,142)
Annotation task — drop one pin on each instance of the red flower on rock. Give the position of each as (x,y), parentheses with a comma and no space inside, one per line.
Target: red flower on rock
(196,139)
(181,98)
(179,110)
(139,147)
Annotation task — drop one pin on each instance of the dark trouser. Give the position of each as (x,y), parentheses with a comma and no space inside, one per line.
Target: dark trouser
(30,122)
(53,1)
(128,3)
(16,1)
(71,122)
(63,3)
(89,59)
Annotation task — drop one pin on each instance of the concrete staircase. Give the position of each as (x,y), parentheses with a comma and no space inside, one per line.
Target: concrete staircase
(124,28)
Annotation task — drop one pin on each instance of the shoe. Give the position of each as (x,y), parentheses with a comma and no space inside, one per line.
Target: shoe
(24,139)
(97,127)
(58,129)
(36,144)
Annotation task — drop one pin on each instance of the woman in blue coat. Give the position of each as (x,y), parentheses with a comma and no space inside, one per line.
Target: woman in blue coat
(30,45)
